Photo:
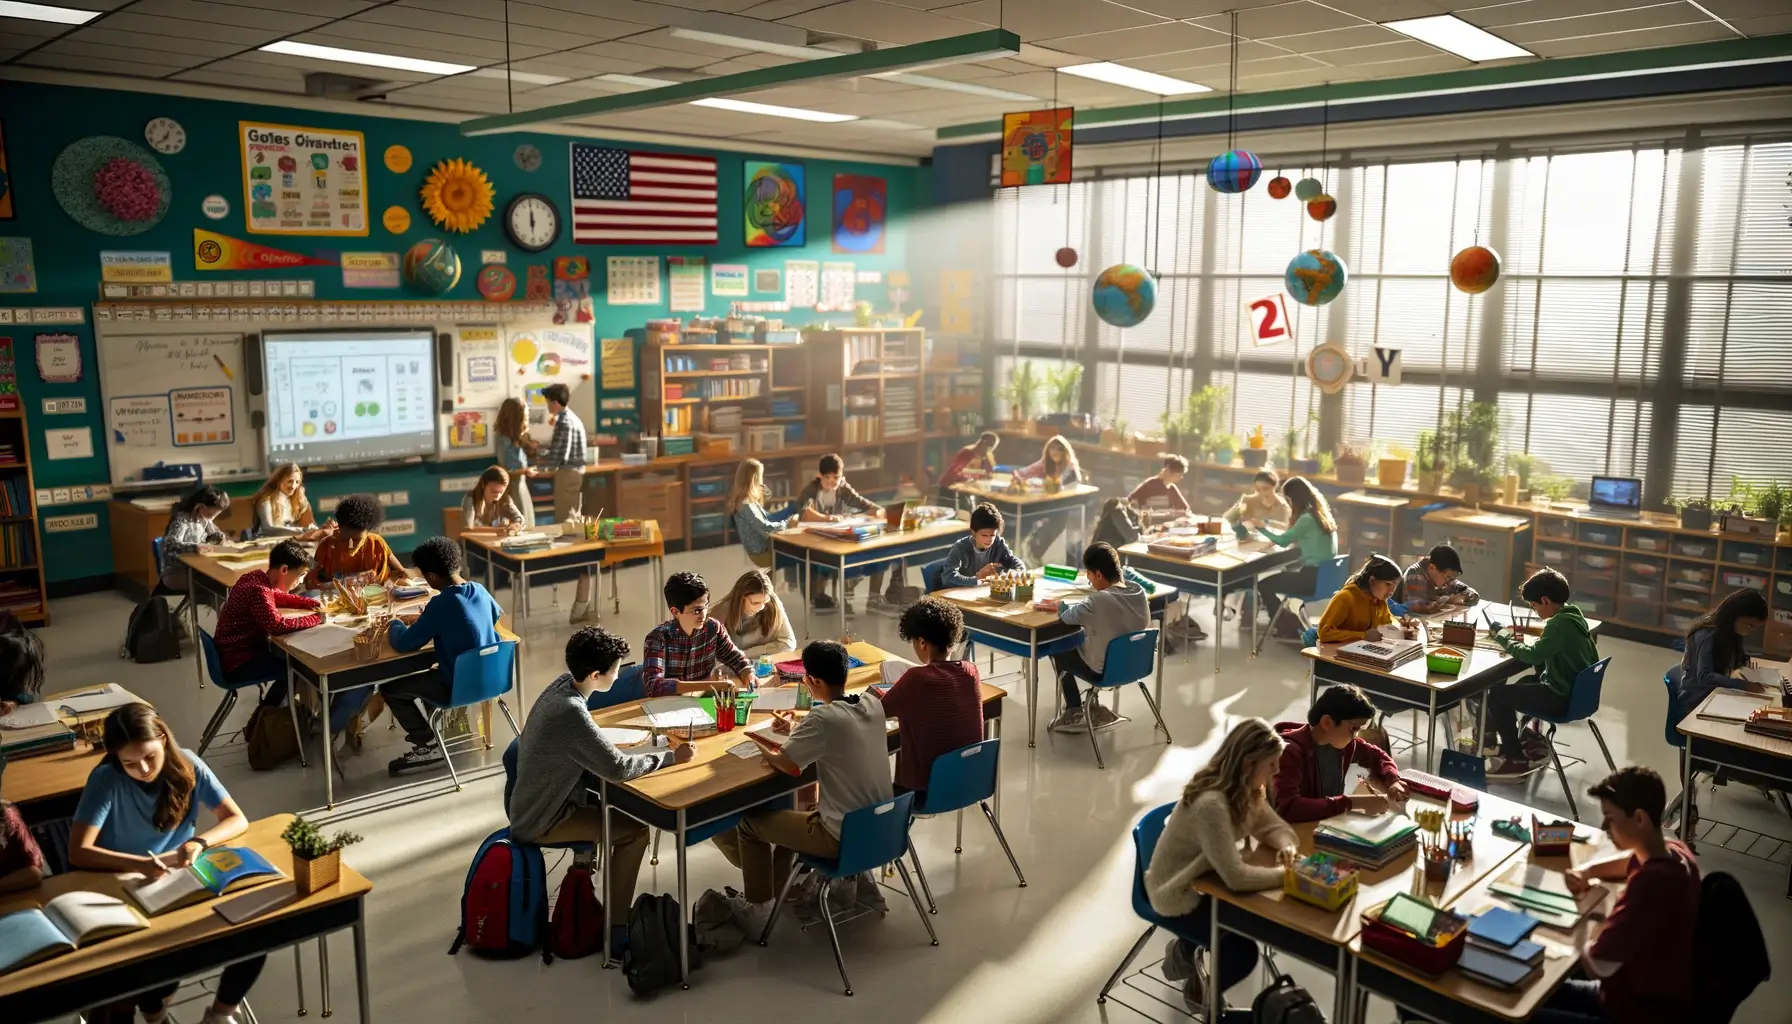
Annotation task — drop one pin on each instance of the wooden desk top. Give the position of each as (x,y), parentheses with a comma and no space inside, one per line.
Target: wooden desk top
(975,600)
(171,931)
(47,776)
(1733,733)
(1479,659)
(343,661)
(495,543)
(830,546)
(1033,496)
(1232,553)
(714,771)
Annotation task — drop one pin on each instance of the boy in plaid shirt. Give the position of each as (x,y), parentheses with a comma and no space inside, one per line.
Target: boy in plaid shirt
(682,654)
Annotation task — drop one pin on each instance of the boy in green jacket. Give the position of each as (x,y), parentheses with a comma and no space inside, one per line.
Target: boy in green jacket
(1565,648)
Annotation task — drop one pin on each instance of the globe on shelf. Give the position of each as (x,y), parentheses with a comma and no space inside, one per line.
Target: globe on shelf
(1234,171)
(1474,269)
(1279,187)
(1307,188)
(432,267)
(1066,257)
(1315,277)
(1321,207)
(1124,295)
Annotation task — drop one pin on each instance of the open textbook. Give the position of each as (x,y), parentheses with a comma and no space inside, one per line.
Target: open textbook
(69,921)
(214,872)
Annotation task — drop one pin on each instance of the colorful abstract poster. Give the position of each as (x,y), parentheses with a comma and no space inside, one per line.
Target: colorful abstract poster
(774,207)
(859,206)
(1036,147)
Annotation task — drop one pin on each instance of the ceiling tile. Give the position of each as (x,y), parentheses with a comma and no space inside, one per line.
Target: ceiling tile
(1381,53)
(97,65)
(1644,39)
(723,6)
(774,10)
(1207,56)
(541,39)
(1203,8)
(1130,43)
(271,23)
(1283,20)
(1771,25)
(884,22)
(1046,57)
(1623,23)
(1338,39)
(1731,9)
(24,33)
(321,8)
(1048,19)
(1393,10)
(1524,12)
(304,65)
(643,56)
(412,43)
(147,25)
(162,43)
(74,54)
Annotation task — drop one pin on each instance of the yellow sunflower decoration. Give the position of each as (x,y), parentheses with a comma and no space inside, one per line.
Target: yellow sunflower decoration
(457,196)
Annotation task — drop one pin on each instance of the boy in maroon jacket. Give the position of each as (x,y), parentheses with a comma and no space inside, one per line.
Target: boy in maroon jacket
(1310,783)
(251,614)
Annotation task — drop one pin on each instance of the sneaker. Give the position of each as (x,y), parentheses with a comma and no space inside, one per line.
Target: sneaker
(1536,747)
(822,601)
(1194,995)
(419,757)
(1511,767)
(1071,720)
(871,895)
(877,604)
(1103,717)
(1178,965)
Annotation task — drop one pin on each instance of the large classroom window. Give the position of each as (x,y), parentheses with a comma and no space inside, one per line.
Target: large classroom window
(1609,274)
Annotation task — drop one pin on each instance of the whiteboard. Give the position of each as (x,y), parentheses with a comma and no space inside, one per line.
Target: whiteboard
(175,395)
(476,386)
(543,354)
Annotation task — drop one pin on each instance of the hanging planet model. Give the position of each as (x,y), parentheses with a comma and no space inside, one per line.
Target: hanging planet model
(1474,269)
(1279,187)
(1315,277)
(1321,207)
(1234,171)
(1307,188)
(1124,295)
(1066,257)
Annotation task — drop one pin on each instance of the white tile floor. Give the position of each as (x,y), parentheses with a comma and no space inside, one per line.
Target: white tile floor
(1006,954)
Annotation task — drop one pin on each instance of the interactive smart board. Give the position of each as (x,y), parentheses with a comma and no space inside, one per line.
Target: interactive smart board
(346,395)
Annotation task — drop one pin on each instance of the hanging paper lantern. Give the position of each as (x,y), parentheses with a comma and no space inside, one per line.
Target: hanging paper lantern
(1307,188)
(1279,187)
(1234,171)
(1066,257)
(1321,207)
(1474,269)
(1315,277)
(1124,295)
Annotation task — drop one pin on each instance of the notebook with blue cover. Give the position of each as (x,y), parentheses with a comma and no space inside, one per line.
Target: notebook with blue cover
(1491,968)
(1501,927)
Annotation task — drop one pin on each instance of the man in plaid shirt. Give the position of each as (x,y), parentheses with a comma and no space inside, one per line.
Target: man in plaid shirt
(564,457)
(681,655)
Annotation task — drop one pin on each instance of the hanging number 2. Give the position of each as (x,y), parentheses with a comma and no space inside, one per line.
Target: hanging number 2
(1268,319)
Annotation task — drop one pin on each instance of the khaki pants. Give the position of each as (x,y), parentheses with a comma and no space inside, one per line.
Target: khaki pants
(765,844)
(628,844)
(569,488)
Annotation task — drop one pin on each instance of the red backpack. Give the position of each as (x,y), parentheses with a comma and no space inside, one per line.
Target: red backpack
(503,905)
(576,928)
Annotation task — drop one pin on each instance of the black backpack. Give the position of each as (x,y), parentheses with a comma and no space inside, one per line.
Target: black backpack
(1284,1002)
(150,637)
(1729,953)
(650,961)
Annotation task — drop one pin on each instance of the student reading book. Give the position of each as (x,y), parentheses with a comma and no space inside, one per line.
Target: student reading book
(1310,781)
(144,795)
(754,616)
(1565,647)
(939,701)
(984,553)
(356,547)
(215,871)
(1360,610)
(69,921)
(461,617)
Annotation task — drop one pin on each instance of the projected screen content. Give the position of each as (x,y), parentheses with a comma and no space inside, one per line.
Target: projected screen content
(350,396)
(1617,492)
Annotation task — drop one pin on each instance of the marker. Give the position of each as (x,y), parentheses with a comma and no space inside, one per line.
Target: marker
(220,361)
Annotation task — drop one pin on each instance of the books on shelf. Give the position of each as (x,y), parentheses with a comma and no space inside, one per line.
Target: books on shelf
(214,872)
(1372,842)
(18,545)
(66,923)
(15,496)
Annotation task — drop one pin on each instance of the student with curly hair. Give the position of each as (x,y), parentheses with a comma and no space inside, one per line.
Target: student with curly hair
(357,546)
(940,701)
(461,617)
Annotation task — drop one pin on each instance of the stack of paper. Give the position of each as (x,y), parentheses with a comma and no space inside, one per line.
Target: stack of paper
(1370,841)
(100,698)
(676,713)
(323,641)
(1730,706)
(36,739)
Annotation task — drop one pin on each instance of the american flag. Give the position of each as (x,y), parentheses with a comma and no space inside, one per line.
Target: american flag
(620,197)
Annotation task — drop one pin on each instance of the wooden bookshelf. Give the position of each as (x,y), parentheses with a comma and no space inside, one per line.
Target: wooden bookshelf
(21,540)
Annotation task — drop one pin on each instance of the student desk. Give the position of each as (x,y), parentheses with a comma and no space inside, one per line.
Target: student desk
(1415,685)
(181,943)
(1742,755)
(843,556)
(716,784)
(1018,622)
(1237,565)
(1033,502)
(48,786)
(564,554)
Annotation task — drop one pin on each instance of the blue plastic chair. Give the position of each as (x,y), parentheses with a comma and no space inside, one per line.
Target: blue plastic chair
(1464,768)
(959,779)
(627,688)
(162,589)
(1333,575)
(1144,840)
(1672,679)
(482,674)
(870,837)
(1131,658)
(510,785)
(933,576)
(1583,704)
(214,667)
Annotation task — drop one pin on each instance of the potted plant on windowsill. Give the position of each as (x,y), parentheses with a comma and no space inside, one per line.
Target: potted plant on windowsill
(1352,464)
(1430,463)
(1021,391)
(1695,512)
(316,859)
(1254,454)
(1222,447)
(1390,469)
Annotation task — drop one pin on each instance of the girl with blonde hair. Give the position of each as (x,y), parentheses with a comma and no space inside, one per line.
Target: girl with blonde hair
(754,617)
(746,506)
(280,507)
(1226,802)
(1056,461)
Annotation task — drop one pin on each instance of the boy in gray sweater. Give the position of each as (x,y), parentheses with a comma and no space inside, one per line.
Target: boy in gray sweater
(561,744)
(1118,606)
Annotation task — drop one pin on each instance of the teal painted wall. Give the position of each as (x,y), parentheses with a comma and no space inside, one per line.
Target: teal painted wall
(40,120)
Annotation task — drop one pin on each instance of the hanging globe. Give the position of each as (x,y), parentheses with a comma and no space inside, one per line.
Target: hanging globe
(1124,295)
(1066,257)
(1474,269)
(1279,187)
(1315,277)
(432,267)
(1234,171)
(1321,207)
(1307,188)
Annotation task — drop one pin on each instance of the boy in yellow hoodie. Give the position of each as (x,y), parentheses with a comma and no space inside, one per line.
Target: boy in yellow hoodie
(1362,606)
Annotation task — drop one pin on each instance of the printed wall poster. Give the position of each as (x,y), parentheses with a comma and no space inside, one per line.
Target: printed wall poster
(774,205)
(137,267)
(303,181)
(769,281)
(728,280)
(370,270)
(838,288)
(802,283)
(139,421)
(73,443)
(9,377)
(859,205)
(633,281)
(1036,147)
(618,358)
(481,383)
(471,428)
(202,416)
(685,278)
(58,358)
(18,273)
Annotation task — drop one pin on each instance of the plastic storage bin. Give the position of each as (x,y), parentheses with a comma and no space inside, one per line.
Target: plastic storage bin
(1599,533)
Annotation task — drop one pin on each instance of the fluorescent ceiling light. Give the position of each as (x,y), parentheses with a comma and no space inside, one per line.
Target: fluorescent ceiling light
(1448,32)
(374,60)
(640,81)
(796,113)
(526,77)
(949,85)
(44,12)
(1133,78)
(749,43)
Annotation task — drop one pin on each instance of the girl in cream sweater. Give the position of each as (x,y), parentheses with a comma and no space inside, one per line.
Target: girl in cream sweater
(1222,805)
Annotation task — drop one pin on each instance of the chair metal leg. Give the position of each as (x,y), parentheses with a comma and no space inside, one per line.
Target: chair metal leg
(298,974)
(248,1012)
(1152,704)
(1567,791)
(913,855)
(1089,727)
(958,846)
(1603,749)
(827,915)
(217,720)
(656,848)
(1000,838)
(778,904)
(508,717)
(1131,955)
(432,718)
(909,884)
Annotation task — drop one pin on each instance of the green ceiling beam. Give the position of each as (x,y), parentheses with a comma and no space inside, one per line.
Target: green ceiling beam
(1629,62)
(974,46)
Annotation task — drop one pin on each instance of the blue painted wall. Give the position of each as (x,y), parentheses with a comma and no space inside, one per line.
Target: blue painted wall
(40,120)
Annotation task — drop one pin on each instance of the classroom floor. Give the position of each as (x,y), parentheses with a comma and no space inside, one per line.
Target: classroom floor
(1006,954)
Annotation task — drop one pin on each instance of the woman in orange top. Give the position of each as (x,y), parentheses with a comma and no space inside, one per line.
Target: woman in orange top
(356,546)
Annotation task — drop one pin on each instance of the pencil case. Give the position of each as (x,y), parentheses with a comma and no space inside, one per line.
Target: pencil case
(1410,950)
(1447,660)
(1309,887)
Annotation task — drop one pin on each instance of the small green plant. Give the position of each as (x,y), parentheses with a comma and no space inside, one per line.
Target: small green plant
(308,842)
(1064,387)
(1526,466)
(1326,462)
(1554,487)
(1022,389)
(1430,458)
(1217,443)
(1396,450)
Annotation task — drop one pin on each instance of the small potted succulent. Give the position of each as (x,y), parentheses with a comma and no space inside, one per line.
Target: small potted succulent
(1254,454)
(316,859)
(1351,464)
(1695,512)
(1222,448)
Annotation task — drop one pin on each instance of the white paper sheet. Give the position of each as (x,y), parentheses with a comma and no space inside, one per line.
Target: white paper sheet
(626,737)
(775,698)
(103,698)
(323,641)
(675,712)
(893,668)
(28,716)
(1731,707)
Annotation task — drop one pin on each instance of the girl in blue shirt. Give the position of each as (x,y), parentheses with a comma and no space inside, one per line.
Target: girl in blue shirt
(513,446)
(746,506)
(140,812)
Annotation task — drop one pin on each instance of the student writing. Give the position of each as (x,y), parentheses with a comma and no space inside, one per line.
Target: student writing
(754,616)
(1161,493)
(489,506)
(461,617)
(1715,650)
(1057,461)
(984,553)
(356,546)
(1360,610)
(939,701)
(746,507)
(192,528)
(978,456)
(1310,779)
(281,508)
(1565,647)
(1434,583)
(1117,607)
(684,653)
(1312,530)
(828,497)
(252,614)
(1260,504)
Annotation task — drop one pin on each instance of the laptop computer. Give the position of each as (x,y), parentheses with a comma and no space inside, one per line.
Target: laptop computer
(1617,497)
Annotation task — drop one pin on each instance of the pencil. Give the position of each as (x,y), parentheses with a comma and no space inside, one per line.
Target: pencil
(220,361)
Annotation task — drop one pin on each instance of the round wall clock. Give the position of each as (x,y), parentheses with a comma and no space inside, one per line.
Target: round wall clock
(531,222)
(165,135)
